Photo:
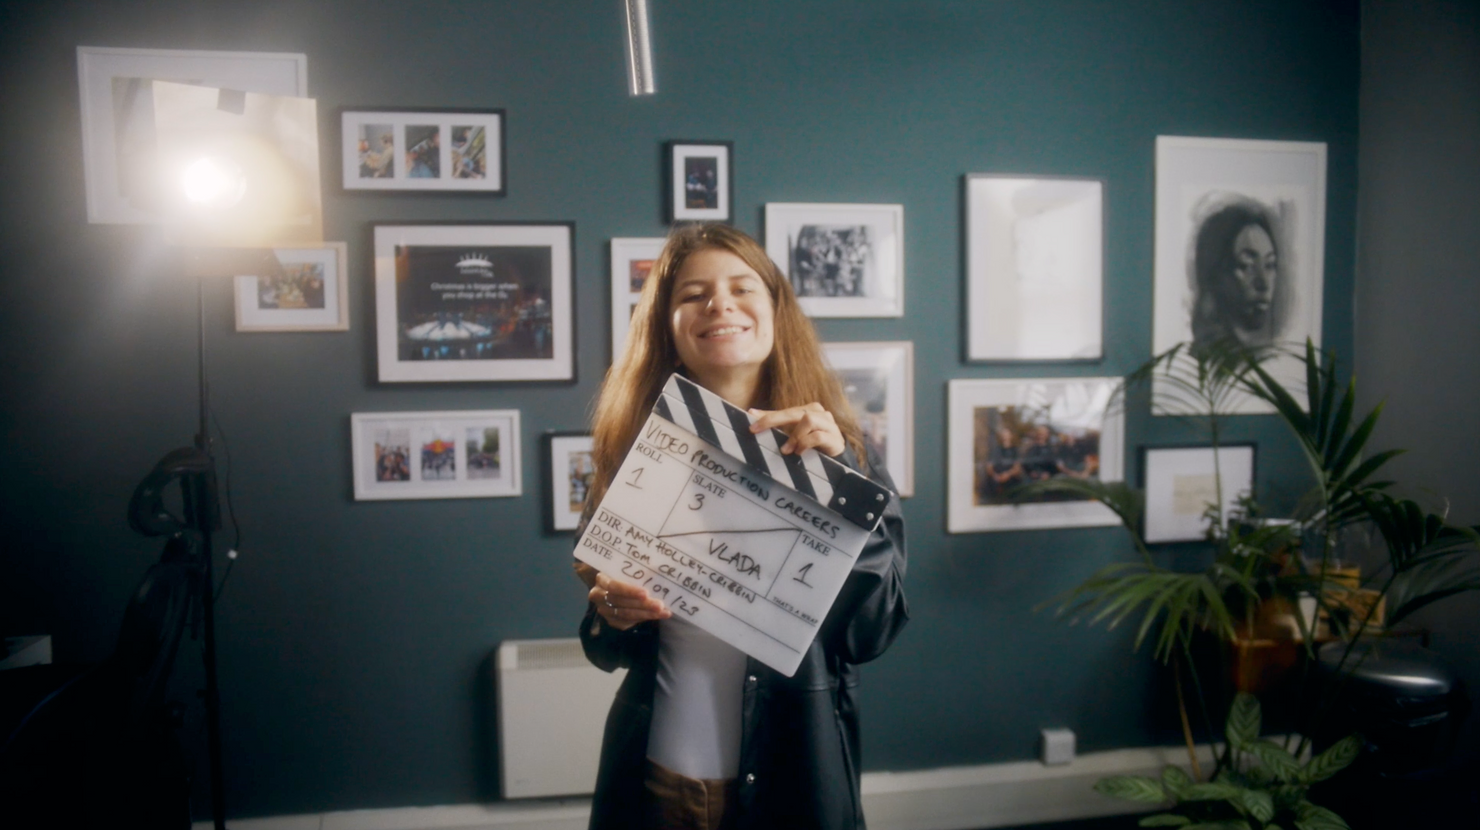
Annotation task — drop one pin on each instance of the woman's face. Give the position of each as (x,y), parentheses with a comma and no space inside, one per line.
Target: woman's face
(722,317)
(1250,289)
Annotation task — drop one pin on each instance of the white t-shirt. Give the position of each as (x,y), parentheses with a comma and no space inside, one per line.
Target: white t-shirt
(696,707)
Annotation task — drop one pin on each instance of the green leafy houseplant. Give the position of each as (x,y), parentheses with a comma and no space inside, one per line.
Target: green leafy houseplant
(1263,788)
(1257,569)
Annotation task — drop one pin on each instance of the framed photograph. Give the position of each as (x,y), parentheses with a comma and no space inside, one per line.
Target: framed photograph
(568,470)
(1183,483)
(843,260)
(458,150)
(312,293)
(1240,247)
(474,302)
(1004,433)
(632,260)
(1034,267)
(118,155)
(879,379)
(697,178)
(436,455)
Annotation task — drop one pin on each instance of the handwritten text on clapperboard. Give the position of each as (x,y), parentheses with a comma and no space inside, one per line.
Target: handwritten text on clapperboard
(724,545)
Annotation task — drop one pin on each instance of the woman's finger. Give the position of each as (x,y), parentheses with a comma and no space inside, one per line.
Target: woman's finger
(808,427)
(623,604)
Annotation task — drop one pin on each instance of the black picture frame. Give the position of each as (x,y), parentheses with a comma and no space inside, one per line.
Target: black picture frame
(683,161)
(1161,521)
(561,513)
(452,171)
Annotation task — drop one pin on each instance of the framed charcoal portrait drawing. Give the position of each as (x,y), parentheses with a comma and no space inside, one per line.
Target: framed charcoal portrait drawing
(1240,248)
(436,455)
(451,151)
(1034,267)
(474,302)
(842,260)
(878,378)
(698,179)
(1005,433)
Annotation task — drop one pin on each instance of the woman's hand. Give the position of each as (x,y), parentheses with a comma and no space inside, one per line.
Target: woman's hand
(623,604)
(809,426)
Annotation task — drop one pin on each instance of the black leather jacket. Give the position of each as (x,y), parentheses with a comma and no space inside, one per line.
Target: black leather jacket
(799,762)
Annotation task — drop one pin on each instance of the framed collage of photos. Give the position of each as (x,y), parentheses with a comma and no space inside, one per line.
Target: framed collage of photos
(698,181)
(118,136)
(1182,483)
(632,260)
(878,379)
(452,151)
(474,302)
(311,294)
(842,260)
(1240,248)
(435,455)
(1034,265)
(568,473)
(1004,433)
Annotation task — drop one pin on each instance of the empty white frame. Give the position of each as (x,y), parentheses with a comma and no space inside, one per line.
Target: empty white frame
(118,113)
(1034,266)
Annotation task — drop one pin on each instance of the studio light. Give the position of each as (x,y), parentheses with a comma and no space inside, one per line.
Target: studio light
(213,184)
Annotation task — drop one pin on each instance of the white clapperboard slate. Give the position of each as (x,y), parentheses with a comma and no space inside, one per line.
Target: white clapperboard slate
(742,541)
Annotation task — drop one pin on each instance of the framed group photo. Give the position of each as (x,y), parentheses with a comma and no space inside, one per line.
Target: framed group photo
(1240,249)
(697,179)
(1034,266)
(1006,433)
(1183,483)
(632,261)
(458,150)
(568,473)
(310,294)
(488,302)
(436,455)
(119,157)
(878,378)
(842,260)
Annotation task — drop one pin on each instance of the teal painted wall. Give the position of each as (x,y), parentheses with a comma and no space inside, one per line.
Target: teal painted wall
(354,636)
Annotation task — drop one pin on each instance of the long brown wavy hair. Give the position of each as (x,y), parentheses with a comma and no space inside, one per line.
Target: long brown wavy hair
(793,375)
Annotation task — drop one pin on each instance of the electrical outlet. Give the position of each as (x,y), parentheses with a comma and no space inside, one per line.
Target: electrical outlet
(1057,747)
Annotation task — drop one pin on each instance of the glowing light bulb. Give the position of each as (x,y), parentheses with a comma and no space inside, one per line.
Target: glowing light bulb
(210,183)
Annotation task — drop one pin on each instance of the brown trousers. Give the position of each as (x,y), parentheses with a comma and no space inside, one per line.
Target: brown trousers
(677,802)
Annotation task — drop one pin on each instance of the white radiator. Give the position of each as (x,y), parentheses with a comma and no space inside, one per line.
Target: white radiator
(552,706)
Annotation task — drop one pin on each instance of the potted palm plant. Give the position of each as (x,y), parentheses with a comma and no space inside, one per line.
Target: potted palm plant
(1260,572)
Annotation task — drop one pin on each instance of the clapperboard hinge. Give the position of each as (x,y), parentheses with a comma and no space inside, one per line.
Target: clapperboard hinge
(856,497)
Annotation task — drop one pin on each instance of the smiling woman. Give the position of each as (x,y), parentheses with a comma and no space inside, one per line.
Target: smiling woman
(716,309)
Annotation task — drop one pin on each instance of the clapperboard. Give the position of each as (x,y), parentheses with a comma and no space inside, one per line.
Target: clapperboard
(736,538)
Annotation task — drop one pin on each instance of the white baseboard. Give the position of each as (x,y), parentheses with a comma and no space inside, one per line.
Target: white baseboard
(950,798)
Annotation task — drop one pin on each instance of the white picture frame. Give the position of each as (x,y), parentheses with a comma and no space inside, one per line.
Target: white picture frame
(632,260)
(463,150)
(485,302)
(878,378)
(1034,267)
(1210,193)
(118,115)
(291,303)
(843,260)
(436,455)
(1075,426)
(698,181)
(1180,486)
